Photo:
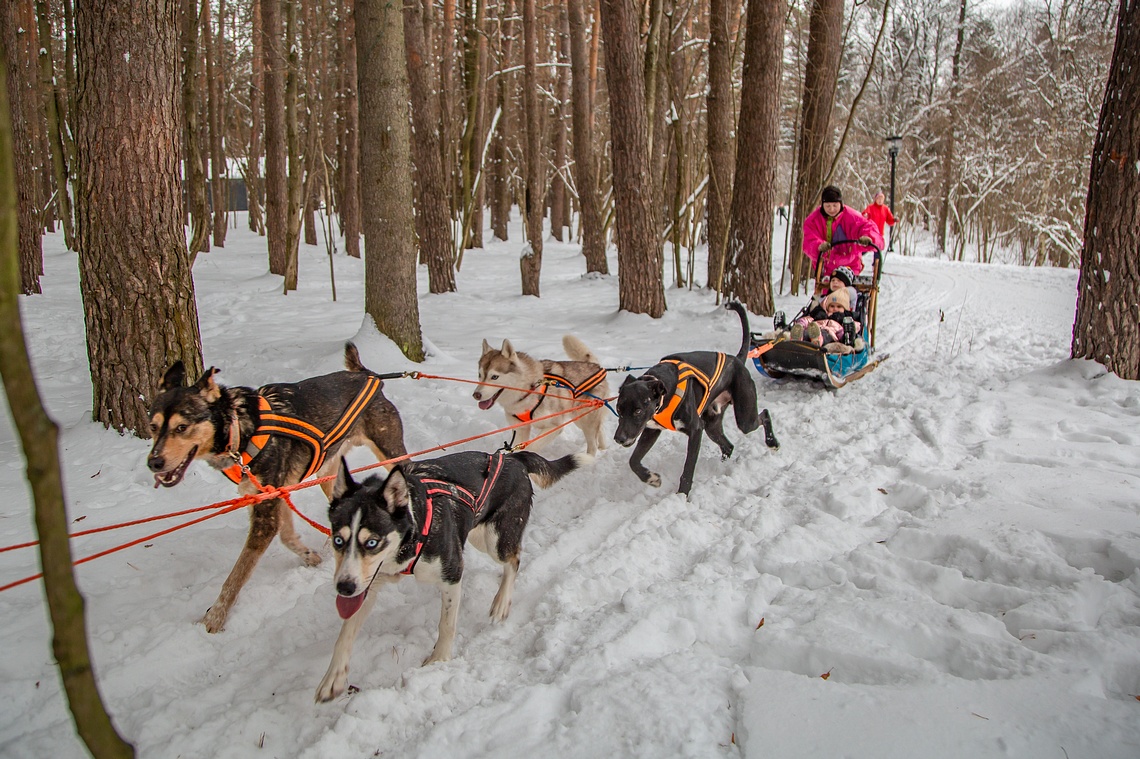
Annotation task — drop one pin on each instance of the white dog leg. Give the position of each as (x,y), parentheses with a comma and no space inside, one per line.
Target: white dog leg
(337,676)
(450,596)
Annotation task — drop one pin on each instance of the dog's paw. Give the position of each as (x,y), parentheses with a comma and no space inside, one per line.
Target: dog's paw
(653,480)
(214,620)
(438,655)
(500,607)
(310,557)
(726,453)
(332,685)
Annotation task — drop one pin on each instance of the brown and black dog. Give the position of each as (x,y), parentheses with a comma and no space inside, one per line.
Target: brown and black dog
(282,432)
(689,393)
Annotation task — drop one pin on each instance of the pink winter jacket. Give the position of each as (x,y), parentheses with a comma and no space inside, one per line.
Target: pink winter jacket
(848,225)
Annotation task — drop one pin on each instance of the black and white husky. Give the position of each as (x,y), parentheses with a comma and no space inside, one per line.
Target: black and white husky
(416,521)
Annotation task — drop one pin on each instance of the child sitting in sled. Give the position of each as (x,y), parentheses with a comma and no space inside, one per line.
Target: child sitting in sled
(823,325)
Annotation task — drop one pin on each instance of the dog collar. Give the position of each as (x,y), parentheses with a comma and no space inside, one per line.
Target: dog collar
(237,470)
(422,537)
(527,416)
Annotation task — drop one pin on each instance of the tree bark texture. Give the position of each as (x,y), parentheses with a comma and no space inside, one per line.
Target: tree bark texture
(471,145)
(17,38)
(1107,325)
(585,173)
(559,191)
(292,149)
(276,192)
(138,295)
(193,171)
(825,43)
(350,192)
(754,194)
(433,223)
(385,176)
(54,104)
(534,193)
(215,119)
(502,186)
(640,286)
(721,144)
(256,87)
(948,145)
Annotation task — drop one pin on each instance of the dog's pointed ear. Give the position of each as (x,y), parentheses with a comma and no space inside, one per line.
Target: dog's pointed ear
(508,349)
(487,347)
(175,376)
(344,482)
(207,387)
(628,378)
(396,493)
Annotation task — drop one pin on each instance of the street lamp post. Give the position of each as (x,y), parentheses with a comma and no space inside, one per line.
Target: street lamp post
(894,142)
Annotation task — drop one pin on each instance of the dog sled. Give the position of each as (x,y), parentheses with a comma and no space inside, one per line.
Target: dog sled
(778,357)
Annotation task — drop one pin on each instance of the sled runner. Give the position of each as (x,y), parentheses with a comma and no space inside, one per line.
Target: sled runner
(778,357)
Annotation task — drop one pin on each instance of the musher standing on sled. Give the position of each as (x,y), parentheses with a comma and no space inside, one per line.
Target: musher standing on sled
(832,223)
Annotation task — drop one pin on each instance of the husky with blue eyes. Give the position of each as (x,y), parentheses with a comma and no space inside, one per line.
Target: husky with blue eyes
(416,522)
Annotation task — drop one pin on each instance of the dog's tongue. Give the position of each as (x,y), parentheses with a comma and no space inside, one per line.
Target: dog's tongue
(486,404)
(346,606)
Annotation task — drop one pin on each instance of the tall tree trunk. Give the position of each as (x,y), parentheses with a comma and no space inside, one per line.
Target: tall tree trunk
(433,223)
(534,194)
(292,149)
(502,194)
(132,256)
(949,146)
(640,286)
(447,89)
(585,160)
(55,113)
(256,88)
(350,200)
(214,117)
(471,146)
(22,94)
(194,176)
(386,176)
(721,146)
(821,75)
(1107,326)
(754,194)
(313,159)
(559,193)
(276,193)
(39,439)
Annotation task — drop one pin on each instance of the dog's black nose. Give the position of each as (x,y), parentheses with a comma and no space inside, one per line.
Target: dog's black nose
(156,463)
(477,395)
(346,587)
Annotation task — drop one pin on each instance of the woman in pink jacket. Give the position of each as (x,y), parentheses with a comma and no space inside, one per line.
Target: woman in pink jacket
(832,223)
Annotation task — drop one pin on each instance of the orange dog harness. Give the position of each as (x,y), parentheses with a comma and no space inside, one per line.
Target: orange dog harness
(685,371)
(576,391)
(290,426)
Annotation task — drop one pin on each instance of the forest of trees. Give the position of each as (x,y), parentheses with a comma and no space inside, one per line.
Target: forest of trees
(346,114)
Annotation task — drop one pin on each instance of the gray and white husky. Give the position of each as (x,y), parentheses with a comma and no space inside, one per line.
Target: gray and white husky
(560,384)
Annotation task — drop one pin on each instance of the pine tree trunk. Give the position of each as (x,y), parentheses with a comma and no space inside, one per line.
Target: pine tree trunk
(471,146)
(821,75)
(585,175)
(559,193)
(350,193)
(256,88)
(949,146)
(292,149)
(193,173)
(432,222)
(22,97)
(276,192)
(313,160)
(1107,326)
(138,295)
(534,194)
(39,440)
(385,176)
(214,117)
(749,267)
(54,122)
(501,186)
(721,146)
(640,287)
(447,91)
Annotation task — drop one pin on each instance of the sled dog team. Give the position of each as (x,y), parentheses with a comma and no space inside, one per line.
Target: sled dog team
(417,519)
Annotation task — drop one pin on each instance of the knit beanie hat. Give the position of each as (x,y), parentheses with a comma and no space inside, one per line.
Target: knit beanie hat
(844,275)
(831,194)
(838,296)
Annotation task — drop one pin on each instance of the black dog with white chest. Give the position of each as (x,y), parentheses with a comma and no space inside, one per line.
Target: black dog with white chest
(416,522)
(689,393)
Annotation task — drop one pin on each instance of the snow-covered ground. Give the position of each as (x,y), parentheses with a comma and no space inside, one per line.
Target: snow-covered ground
(940,561)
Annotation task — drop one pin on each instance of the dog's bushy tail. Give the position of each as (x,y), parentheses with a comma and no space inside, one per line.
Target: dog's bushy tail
(746,345)
(545,472)
(352,359)
(576,350)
